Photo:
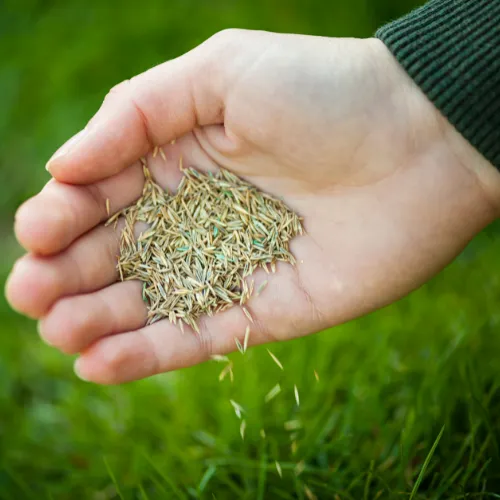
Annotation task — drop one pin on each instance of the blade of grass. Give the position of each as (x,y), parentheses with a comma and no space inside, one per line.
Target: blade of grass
(368,481)
(206,478)
(262,475)
(426,464)
(113,478)
(144,496)
(168,481)
(20,482)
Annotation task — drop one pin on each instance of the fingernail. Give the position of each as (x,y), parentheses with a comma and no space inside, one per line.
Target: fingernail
(66,147)
(78,372)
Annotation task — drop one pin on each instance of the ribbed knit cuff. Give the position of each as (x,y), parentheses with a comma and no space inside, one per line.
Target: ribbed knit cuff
(451,49)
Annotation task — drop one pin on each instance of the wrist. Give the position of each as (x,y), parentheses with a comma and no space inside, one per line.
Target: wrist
(432,135)
(487,176)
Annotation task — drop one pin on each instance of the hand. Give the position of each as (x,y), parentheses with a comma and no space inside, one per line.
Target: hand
(389,192)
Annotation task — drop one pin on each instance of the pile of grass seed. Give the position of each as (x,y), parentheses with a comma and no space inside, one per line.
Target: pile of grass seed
(201,244)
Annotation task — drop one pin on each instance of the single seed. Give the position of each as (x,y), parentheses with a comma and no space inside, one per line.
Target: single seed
(108,211)
(299,468)
(275,359)
(245,341)
(278,468)
(247,314)
(309,494)
(296,391)
(155,151)
(263,434)
(272,393)
(162,154)
(219,358)
(239,346)
(293,425)
(238,409)
(261,287)
(316,376)
(243,426)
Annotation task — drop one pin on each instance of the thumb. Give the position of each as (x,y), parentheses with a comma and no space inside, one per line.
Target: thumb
(151,109)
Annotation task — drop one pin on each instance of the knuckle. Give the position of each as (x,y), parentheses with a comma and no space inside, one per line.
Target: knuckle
(113,361)
(226,35)
(63,326)
(119,89)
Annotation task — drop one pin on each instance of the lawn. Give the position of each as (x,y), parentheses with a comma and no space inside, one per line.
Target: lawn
(406,401)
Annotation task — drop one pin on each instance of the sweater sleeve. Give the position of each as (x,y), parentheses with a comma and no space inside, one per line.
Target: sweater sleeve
(451,49)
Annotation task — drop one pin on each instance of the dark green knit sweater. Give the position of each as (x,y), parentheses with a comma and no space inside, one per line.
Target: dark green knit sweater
(451,49)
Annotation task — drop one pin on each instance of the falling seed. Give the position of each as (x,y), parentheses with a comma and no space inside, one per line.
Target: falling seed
(172,141)
(293,447)
(261,287)
(247,314)
(227,370)
(309,494)
(278,468)
(263,434)
(219,358)
(296,391)
(243,426)
(108,211)
(155,151)
(272,393)
(293,425)
(275,359)
(299,468)
(181,163)
(245,340)
(239,346)
(238,409)
(162,154)
(316,376)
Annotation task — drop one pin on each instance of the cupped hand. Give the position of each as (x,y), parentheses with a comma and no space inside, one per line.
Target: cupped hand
(389,193)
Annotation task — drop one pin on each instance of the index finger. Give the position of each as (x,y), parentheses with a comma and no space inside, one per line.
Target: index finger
(151,109)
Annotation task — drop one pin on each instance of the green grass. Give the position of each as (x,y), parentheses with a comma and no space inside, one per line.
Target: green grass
(407,406)
(408,402)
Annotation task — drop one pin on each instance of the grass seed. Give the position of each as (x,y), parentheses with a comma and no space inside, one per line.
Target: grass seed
(202,243)
(275,359)
(272,393)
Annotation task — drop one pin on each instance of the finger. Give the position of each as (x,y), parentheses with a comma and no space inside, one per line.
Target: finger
(161,347)
(151,109)
(50,221)
(87,265)
(74,323)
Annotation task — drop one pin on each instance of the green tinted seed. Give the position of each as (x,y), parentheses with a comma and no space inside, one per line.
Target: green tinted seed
(200,243)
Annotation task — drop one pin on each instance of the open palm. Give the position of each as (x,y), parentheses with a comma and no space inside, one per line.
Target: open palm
(333,126)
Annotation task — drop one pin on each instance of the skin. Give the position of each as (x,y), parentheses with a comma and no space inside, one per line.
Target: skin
(389,191)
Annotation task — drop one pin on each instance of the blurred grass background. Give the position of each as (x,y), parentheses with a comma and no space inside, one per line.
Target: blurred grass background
(389,383)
